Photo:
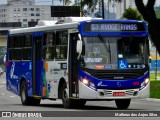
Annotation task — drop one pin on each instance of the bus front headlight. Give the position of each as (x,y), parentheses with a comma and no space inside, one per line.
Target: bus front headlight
(144,83)
(88,83)
(85,81)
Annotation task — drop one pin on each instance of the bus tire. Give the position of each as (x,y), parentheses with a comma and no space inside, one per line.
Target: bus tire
(123,103)
(24,94)
(67,103)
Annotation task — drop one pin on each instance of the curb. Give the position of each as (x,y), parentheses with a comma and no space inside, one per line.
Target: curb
(152,99)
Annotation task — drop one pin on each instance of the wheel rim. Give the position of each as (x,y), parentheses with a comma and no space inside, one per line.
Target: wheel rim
(23,94)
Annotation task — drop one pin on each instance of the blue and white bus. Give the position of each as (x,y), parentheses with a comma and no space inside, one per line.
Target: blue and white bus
(79,60)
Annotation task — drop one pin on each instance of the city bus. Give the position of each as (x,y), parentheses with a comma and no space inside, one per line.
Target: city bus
(78,60)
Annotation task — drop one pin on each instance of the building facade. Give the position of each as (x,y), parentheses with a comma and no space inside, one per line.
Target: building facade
(24,11)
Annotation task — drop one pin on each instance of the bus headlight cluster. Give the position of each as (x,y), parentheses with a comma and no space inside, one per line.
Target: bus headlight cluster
(88,83)
(144,83)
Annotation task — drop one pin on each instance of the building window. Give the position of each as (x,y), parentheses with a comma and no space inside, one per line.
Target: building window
(32,14)
(32,20)
(32,9)
(14,9)
(24,9)
(24,20)
(37,14)
(24,25)
(37,9)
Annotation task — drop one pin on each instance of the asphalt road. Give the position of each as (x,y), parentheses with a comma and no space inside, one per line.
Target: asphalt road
(11,102)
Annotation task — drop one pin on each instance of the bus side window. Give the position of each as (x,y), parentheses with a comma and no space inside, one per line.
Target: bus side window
(16,48)
(27,43)
(61,44)
(49,46)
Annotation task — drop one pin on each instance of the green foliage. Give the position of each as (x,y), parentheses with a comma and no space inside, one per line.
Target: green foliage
(90,3)
(158,12)
(132,14)
(155,89)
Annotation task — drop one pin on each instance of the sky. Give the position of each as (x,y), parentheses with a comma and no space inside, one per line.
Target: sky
(50,1)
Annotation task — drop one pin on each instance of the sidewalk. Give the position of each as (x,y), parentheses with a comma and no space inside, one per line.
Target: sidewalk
(152,99)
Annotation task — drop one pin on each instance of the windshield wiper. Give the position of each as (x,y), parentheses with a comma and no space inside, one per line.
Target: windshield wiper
(106,46)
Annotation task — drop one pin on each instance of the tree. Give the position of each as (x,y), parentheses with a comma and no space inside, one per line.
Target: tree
(158,12)
(66,2)
(92,4)
(132,14)
(148,13)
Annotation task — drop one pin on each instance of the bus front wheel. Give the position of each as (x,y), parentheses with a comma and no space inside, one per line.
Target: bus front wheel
(65,99)
(123,103)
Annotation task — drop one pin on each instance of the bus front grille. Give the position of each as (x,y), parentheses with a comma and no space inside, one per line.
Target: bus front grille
(116,74)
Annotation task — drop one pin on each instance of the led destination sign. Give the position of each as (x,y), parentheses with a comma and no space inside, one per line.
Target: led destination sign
(113,27)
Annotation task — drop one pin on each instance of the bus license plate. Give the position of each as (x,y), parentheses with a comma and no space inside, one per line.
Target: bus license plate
(118,94)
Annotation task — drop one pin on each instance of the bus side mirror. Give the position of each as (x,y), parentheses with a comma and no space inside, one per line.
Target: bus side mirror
(4,59)
(79,48)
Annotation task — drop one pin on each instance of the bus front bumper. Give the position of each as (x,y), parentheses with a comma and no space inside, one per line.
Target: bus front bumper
(104,94)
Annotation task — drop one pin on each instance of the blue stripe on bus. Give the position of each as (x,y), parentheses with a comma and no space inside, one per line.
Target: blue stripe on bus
(37,34)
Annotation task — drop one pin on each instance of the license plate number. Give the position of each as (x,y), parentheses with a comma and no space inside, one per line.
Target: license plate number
(118,94)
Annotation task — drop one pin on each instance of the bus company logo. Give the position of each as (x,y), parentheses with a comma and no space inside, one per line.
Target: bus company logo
(119,84)
(6,114)
(118,77)
(100,83)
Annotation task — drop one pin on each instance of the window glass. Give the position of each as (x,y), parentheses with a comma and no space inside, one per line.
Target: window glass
(17,41)
(49,48)
(26,53)
(62,38)
(27,41)
(16,54)
(61,52)
(61,44)
(48,53)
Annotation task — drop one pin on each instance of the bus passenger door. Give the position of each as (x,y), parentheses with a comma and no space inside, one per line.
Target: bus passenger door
(37,64)
(73,66)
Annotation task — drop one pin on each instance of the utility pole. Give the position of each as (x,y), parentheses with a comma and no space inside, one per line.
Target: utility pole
(108,10)
(81,13)
(124,5)
(103,9)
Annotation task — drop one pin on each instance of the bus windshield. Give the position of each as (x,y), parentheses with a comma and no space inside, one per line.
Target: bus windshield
(114,52)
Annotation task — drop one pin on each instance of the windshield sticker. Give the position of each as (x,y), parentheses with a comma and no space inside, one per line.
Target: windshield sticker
(93,60)
(108,66)
(123,64)
(99,66)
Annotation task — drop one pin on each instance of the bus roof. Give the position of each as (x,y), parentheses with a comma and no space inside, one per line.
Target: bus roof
(68,23)
(43,28)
